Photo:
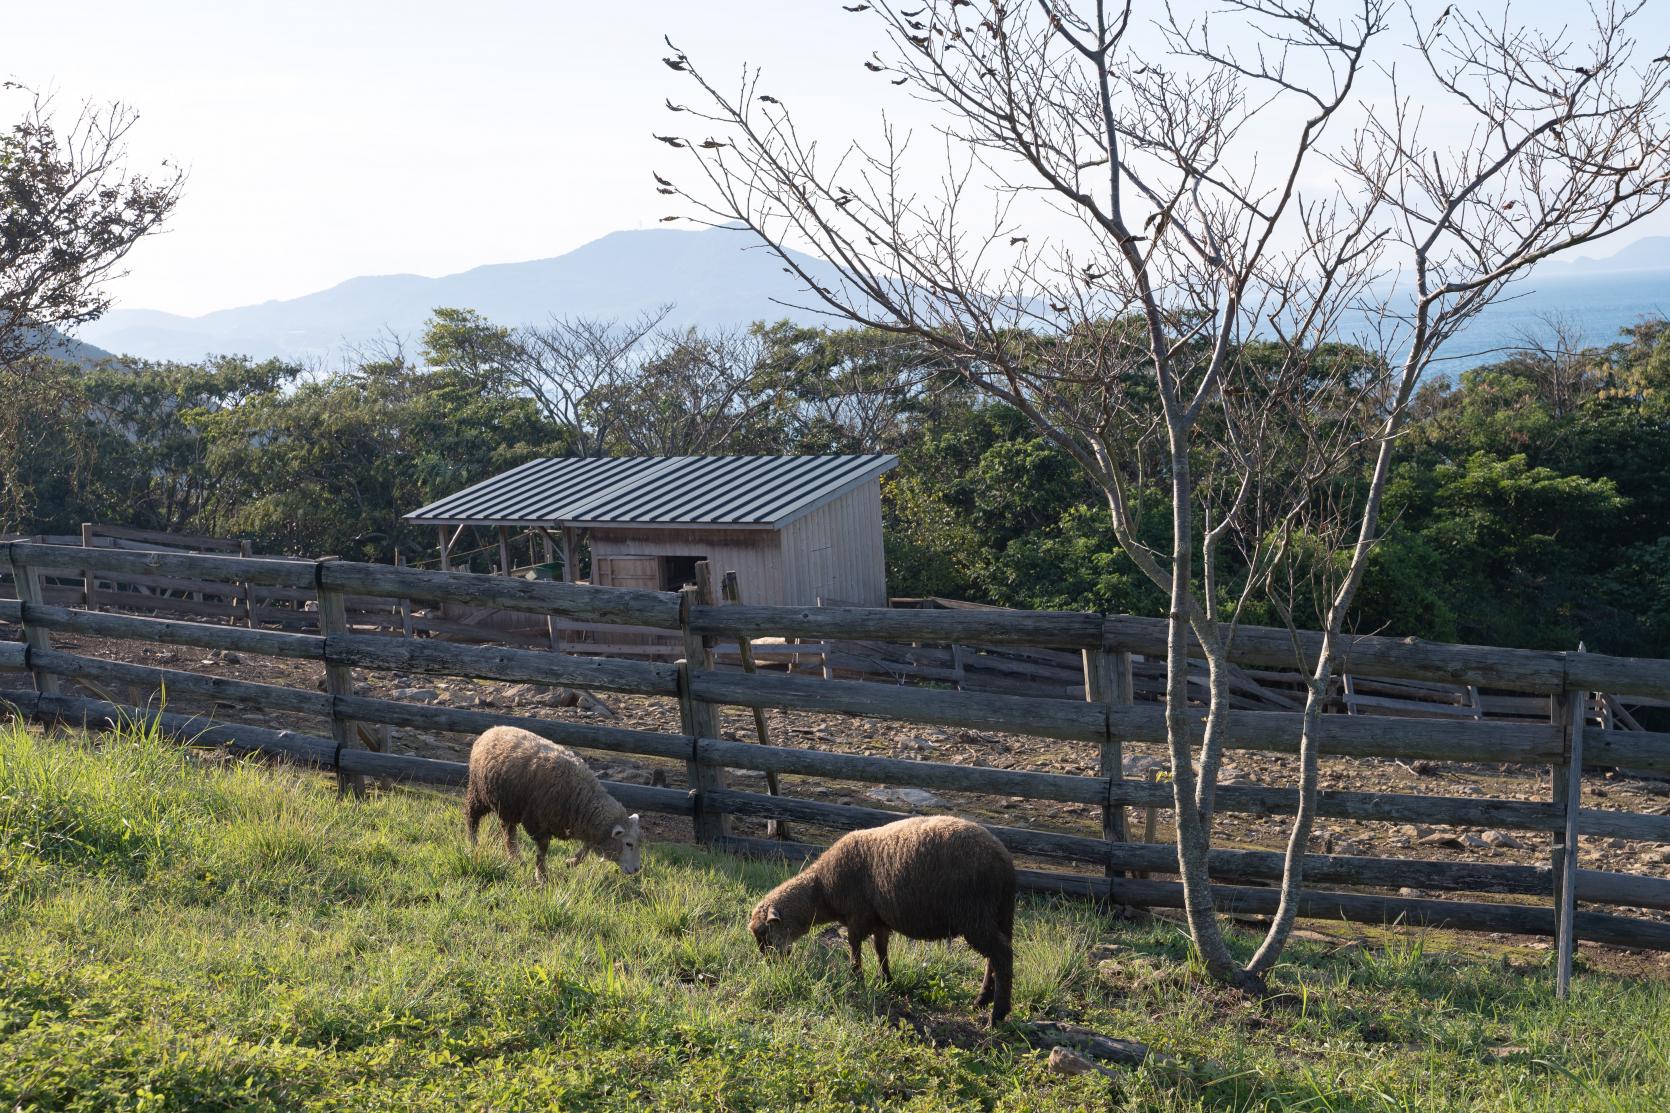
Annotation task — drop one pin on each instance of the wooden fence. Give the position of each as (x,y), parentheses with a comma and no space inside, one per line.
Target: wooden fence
(974,667)
(1104,717)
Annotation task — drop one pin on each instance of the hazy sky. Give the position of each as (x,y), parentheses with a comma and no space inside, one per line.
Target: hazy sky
(332,138)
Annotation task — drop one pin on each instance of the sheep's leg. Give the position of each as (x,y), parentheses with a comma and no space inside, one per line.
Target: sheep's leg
(579,855)
(539,859)
(855,942)
(1005,963)
(1000,970)
(986,987)
(881,939)
(510,846)
(473,813)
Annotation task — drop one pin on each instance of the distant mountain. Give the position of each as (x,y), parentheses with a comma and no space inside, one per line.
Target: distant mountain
(68,348)
(1649,254)
(709,276)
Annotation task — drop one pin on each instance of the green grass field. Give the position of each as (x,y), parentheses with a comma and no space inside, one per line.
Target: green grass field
(179,933)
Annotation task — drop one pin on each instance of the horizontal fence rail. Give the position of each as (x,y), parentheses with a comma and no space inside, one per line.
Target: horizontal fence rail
(1070,677)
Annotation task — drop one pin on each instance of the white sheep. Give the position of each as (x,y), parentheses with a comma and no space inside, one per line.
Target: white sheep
(525,779)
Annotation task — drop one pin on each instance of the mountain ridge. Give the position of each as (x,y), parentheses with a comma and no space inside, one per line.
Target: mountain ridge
(710,284)
(1649,253)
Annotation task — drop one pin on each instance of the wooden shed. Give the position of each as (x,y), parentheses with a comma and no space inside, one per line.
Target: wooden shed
(796,529)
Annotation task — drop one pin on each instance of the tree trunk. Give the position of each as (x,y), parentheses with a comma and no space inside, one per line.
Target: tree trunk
(1193,840)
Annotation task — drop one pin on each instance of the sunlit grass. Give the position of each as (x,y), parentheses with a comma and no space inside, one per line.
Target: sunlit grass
(186,933)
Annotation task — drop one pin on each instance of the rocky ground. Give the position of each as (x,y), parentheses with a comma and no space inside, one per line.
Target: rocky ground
(882,737)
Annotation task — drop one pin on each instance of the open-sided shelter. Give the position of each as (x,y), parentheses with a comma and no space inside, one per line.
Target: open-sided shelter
(796,529)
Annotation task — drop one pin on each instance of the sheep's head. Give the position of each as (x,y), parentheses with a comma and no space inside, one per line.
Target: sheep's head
(777,923)
(622,845)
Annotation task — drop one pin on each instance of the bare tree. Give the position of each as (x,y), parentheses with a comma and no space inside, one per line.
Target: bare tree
(1232,197)
(694,394)
(1555,359)
(570,366)
(854,390)
(70,211)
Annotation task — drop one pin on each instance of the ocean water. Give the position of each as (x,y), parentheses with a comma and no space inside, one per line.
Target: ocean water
(1596,306)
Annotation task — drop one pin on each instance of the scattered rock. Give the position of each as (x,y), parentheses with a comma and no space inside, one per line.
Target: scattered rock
(589,702)
(915,797)
(1309,936)
(227,657)
(1474,842)
(1501,840)
(1441,838)
(1616,844)
(1138,765)
(416,695)
(1414,831)
(1063,1061)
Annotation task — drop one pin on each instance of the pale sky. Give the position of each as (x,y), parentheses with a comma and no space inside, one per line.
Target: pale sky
(326,140)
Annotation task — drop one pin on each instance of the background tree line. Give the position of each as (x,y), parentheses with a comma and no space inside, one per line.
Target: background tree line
(1531,507)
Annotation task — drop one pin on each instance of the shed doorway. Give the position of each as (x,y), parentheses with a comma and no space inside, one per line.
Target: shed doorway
(677,571)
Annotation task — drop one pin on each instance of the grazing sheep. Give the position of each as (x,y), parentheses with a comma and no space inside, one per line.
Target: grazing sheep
(525,779)
(930,877)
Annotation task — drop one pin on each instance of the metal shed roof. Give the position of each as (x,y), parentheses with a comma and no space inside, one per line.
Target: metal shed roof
(733,491)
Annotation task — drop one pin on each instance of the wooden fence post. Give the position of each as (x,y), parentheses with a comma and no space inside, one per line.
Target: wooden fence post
(700,720)
(1150,816)
(339,679)
(731,590)
(27,581)
(828,648)
(405,606)
(1571,710)
(1107,681)
(89,586)
(246,549)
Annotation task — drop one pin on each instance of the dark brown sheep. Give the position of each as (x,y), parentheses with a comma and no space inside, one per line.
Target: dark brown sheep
(525,779)
(931,877)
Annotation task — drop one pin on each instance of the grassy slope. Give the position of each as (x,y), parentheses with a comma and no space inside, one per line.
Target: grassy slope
(182,936)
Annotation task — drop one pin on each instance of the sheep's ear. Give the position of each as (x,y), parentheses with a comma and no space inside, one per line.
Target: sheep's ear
(772,915)
(617,832)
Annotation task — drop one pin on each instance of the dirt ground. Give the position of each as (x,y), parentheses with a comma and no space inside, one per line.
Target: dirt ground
(882,737)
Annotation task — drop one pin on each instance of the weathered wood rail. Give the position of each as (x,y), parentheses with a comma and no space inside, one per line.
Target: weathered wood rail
(995,666)
(1100,860)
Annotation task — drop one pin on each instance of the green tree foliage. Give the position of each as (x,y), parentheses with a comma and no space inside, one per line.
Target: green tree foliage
(46,452)
(119,443)
(70,211)
(853,390)
(329,466)
(1532,506)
